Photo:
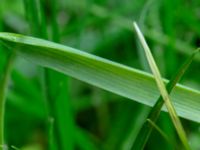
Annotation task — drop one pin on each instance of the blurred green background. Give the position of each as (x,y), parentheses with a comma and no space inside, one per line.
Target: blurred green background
(75,115)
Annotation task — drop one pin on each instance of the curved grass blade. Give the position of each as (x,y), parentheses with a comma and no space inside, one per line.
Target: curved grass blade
(146,129)
(122,80)
(161,86)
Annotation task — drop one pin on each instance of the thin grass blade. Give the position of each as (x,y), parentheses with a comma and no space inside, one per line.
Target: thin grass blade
(3,91)
(163,91)
(146,129)
(159,130)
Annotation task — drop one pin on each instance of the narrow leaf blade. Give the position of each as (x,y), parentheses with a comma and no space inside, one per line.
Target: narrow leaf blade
(146,129)
(122,80)
(161,86)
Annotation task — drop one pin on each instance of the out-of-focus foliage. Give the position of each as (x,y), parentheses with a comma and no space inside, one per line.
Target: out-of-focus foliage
(94,118)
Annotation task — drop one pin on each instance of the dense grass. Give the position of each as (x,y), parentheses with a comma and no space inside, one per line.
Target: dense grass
(58,98)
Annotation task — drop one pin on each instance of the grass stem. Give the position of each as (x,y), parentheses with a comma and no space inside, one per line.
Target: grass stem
(163,90)
(3,90)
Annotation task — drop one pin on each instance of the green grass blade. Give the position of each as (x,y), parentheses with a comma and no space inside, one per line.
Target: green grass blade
(3,89)
(55,27)
(159,130)
(163,91)
(168,23)
(122,80)
(65,126)
(61,106)
(37,24)
(31,11)
(146,129)
(42,19)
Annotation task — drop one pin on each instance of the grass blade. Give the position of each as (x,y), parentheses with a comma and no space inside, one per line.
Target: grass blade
(3,88)
(37,26)
(146,130)
(65,126)
(163,90)
(32,16)
(122,80)
(159,130)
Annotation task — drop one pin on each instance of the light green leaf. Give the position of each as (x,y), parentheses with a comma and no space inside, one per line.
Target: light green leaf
(122,80)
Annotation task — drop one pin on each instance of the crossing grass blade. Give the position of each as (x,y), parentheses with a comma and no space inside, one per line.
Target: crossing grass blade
(159,130)
(161,86)
(122,80)
(59,95)
(146,129)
